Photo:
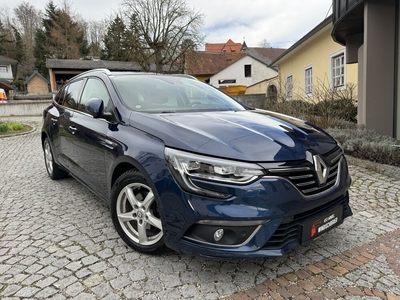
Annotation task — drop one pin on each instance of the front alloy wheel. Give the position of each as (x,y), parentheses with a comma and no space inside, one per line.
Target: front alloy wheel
(135,214)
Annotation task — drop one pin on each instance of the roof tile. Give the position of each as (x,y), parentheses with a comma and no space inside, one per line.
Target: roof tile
(210,63)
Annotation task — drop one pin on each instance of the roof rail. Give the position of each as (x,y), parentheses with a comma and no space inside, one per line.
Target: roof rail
(107,71)
(97,70)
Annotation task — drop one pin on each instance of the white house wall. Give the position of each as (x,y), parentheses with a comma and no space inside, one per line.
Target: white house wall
(6,75)
(259,72)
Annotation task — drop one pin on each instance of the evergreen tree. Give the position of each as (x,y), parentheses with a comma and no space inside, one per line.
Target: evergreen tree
(67,36)
(19,46)
(43,39)
(115,41)
(40,53)
(61,37)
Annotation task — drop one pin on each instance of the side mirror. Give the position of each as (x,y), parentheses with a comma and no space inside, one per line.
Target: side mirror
(95,107)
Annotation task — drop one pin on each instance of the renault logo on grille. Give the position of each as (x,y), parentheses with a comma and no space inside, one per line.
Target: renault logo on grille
(321,169)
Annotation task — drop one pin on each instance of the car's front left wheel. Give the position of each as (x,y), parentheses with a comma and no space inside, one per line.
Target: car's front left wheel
(135,213)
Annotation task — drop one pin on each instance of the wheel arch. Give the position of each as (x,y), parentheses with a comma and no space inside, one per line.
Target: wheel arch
(120,169)
(125,163)
(44,135)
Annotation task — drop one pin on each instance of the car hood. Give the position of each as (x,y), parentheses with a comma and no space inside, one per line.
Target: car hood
(251,135)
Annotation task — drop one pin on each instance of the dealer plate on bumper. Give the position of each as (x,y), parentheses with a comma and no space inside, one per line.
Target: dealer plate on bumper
(315,227)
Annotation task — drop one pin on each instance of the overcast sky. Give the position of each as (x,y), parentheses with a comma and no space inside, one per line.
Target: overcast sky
(281,22)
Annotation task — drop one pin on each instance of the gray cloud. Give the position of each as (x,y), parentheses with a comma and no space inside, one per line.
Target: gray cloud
(281,22)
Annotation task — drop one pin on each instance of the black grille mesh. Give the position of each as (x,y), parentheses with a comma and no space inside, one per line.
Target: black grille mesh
(305,178)
(290,231)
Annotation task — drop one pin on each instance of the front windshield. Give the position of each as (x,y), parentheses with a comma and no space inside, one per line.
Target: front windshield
(163,93)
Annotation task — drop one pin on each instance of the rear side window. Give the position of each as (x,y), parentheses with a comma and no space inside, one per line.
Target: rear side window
(72,92)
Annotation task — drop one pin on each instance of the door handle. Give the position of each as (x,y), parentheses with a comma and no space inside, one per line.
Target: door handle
(109,144)
(73,129)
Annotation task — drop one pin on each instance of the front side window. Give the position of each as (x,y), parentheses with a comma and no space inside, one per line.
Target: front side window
(289,87)
(94,88)
(72,94)
(308,81)
(338,71)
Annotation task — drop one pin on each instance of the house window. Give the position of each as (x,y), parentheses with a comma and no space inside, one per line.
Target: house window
(247,70)
(308,81)
(226,81)
(3,69)
(338,67)
(289,87)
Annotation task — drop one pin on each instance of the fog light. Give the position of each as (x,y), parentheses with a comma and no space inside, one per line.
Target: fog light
(218,234)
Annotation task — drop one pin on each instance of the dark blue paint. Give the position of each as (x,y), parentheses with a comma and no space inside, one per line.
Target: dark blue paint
(140,139)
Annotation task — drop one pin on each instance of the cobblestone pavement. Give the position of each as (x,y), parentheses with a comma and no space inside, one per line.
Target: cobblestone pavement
(57,241)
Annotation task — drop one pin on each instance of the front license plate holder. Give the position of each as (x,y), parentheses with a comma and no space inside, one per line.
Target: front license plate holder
(318,225)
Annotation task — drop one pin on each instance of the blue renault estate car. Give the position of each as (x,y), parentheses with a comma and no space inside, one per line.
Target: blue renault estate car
(184,166)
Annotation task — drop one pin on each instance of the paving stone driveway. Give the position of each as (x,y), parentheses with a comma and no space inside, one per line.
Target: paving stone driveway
(57,241)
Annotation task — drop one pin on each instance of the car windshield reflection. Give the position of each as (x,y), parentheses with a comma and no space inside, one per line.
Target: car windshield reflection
(162,94)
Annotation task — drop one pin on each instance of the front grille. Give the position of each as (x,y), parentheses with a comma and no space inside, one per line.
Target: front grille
(305,177)
(290,231)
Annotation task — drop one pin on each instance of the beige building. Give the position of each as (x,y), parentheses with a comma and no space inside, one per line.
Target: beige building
(37,84)
(313,65)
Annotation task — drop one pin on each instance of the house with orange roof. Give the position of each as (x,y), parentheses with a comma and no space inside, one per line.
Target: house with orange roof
(253,67)
(203,65)
(229,46)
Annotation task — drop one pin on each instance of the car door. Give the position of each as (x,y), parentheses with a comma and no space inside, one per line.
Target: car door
(66,132)
(91,142)
(55,115)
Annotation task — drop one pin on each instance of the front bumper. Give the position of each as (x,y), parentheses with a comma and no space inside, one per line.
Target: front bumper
(274,209)
(274,238)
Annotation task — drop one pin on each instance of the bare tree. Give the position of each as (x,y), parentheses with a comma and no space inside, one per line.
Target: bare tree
(264,44)
(165,30)
(6,13)
(27,19)
(7,45)
(67,6)
(96,32)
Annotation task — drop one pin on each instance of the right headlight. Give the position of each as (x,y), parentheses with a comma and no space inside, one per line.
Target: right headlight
(187,166)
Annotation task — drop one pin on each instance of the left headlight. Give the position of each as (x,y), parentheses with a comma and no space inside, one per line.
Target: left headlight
(187,166)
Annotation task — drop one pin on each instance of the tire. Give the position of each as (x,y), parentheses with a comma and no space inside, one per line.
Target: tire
(135,213)
(53,170)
